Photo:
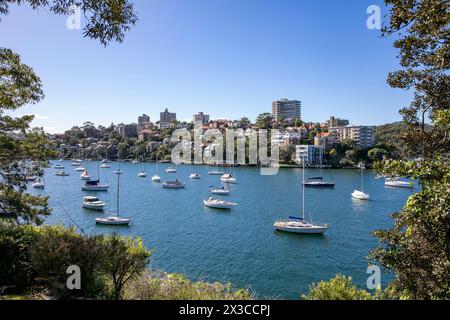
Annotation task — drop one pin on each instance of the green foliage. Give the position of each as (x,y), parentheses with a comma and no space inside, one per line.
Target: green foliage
(376,154)
(338,288)
(152,286)
(126,259)
(106,21)
(264,120)
(39,256)
(417,248)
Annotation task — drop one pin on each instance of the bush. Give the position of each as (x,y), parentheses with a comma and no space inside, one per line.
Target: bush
(338,288)
(154,286)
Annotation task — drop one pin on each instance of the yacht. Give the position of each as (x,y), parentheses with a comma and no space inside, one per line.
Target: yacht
(173,184)
(115,220)
(105,166)
(318,182)
(357,194)
(142,174)
(218,204)
(85,176)
(80,169)
(194,176)
(62,174)
(221,191)
(134,162)
(93,203)
(156,178)
(228,178)
(39,184)
(75,164)
(94,186)
(395,182)
(296,224)
(59,166)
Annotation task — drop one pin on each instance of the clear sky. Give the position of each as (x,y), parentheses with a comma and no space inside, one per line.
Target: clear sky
(228,58)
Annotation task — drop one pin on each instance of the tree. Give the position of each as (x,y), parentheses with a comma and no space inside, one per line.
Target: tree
(244,123)
(376,154)
(22,152)
(264,120)
(106,20)
(416,248)
(126,259)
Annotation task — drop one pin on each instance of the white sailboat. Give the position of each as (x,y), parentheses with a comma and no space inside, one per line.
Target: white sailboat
(85,175)
(142,173)
(360,194)
(296,224)
(115,220)
(194,176)
(62,174)
(156,177)
(173,184)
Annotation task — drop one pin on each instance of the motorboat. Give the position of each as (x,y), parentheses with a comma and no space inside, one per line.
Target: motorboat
(94,186)
(194,176)
(59,166)
(173,184)
(62,174)
(39,184)
(85,176)
(395,182)
(220,191)
(75,164)
(105,166)
(156,178)
(93,203)
(218,204)
(228,178)
(134,162)
(297,225)
(80,169)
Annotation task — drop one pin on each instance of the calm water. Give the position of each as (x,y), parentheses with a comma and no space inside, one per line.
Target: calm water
(240,246)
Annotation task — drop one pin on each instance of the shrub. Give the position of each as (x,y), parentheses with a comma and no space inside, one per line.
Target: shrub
(157,286)
(338,288)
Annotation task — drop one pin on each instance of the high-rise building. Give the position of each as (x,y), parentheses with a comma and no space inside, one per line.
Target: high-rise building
(362,136)
(167,116)
(337,122)
(312,155)
(286,110)
(200,116)
(143,122)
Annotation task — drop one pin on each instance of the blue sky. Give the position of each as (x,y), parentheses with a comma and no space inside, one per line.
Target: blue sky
(228,58)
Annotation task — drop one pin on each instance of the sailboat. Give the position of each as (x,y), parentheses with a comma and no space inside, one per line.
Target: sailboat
(173,184)
(115,220)
(220,191)
(395,182)
(357,193)
(228,177)
(105,164)
(156,178)
(218,204)
(318,182)
(296,224)
(118,171)
(215,172)
(142,173)
(95,185)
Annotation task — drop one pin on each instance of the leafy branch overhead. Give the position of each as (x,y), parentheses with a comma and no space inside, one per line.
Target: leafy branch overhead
(106,20)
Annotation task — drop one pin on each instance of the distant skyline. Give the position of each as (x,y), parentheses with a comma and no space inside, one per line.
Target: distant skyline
(227,58)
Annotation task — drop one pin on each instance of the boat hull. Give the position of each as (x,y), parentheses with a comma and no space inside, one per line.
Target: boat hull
(327,185)
(93,207)
(91,188)
(309,230)
(113,221)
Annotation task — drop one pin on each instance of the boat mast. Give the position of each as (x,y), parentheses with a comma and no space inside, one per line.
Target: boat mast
(362,178)
(303,188)
(118,193)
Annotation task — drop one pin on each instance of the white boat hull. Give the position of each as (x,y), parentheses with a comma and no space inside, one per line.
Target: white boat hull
(399,184)
(295,227)
(94,206)
(113,221)
(156,178)
(93,188)
(360,195)
(219,191)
